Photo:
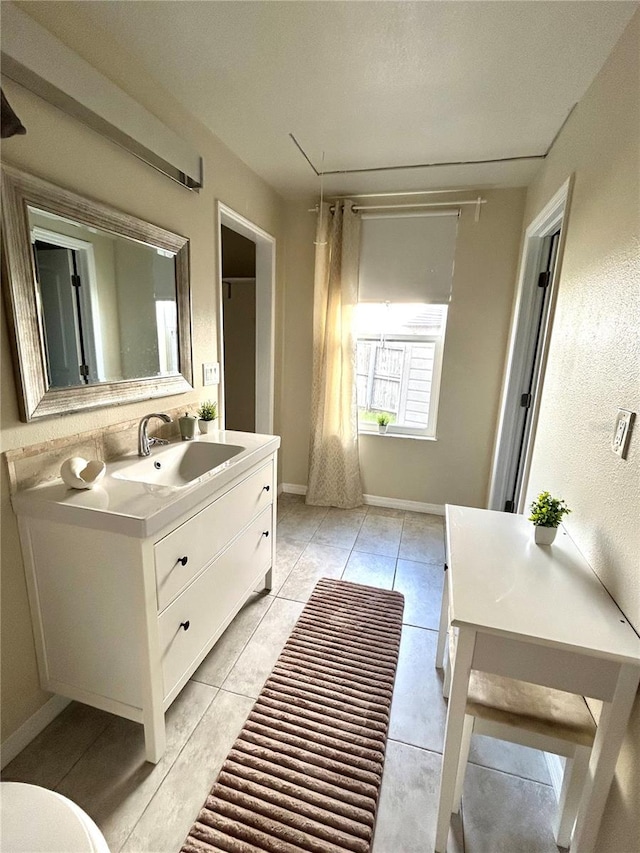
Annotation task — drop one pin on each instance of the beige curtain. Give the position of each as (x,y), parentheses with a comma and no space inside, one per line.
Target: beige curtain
(334,468)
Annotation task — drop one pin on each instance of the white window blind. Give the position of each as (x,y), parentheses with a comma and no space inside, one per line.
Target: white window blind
(407,257)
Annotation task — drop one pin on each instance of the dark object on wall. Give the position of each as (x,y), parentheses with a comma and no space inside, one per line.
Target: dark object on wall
(10,123)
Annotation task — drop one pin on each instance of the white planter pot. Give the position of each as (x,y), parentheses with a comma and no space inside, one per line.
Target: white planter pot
(544,535)
(205,426)
(382,429)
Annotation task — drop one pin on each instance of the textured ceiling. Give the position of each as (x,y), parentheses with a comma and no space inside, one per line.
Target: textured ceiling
(373,84)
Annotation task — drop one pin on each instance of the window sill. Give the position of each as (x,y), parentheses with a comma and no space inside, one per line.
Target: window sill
(362,432)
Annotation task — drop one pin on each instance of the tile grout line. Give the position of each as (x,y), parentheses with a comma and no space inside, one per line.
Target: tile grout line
(275,598)
(170,768)
(107,725)
(512,775)
(254,699)
(395,568)
(475,763)
(219,686)
(420,627)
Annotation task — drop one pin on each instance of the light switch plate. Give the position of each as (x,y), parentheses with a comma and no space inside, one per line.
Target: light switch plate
(210,373)
(622,432)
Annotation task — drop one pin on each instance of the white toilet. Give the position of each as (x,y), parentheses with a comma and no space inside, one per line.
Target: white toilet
(36,820)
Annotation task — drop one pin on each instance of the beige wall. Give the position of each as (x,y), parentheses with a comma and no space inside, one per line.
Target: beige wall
(456,467)
(594,362)
(296,342)
(136,309)
(63,151)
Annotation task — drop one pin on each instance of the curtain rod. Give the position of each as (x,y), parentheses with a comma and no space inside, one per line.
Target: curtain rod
(407,193)
(424,204)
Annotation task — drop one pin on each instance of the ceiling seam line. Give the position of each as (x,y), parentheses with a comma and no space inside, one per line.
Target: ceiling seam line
(304,154)
(561,128)
(423,165)
(435,165)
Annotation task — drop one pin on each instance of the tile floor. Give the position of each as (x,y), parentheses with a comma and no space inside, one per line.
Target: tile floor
(97,759)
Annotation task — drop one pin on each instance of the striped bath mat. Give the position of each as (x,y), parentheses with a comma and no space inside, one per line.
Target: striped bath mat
(305,771)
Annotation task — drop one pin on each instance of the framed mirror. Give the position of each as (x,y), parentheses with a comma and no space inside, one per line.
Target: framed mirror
(98,301)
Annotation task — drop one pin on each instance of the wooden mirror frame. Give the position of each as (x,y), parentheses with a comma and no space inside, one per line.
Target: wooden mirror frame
(37,400)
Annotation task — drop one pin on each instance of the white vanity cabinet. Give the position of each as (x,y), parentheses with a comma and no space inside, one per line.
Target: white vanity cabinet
(122,621)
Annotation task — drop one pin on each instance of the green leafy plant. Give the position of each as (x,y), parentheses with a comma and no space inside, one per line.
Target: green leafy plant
(383,419)
(547,511)
(208,411)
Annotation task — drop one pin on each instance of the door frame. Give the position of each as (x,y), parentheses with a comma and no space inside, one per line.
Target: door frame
(265,315)
(552,217)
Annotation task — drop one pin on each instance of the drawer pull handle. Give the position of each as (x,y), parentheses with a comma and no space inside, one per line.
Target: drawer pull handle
(185,625)
(265,533)
(266,488)
(183,560)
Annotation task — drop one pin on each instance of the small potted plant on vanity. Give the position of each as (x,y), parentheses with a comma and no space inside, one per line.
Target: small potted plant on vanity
(383,422)
(546,515)
(207,413)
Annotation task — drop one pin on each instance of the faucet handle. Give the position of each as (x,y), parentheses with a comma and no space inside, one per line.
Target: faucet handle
(153,440)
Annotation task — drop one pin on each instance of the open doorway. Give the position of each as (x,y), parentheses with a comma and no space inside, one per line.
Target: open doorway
(246,324)
(540,266)
(239,329)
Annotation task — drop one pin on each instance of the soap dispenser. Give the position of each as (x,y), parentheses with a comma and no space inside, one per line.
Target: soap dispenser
(187,426)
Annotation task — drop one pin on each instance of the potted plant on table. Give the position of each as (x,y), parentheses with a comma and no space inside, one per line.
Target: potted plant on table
(207,414)
(383,421)
(546,514)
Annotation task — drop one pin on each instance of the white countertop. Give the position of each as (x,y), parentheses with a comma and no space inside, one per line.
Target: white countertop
(139,509)
(502,582)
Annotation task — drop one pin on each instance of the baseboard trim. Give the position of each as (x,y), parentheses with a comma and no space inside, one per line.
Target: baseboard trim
(397,503)
(31,728)
(375,500)
(294,489)
(555,766)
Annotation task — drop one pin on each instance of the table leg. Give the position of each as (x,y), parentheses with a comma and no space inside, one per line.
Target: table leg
(604,755)
(444,622)
(446,680)
(575,774)
(453,733)
(463,760)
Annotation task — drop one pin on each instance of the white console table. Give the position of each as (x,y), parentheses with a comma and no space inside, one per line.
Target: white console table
(539,614)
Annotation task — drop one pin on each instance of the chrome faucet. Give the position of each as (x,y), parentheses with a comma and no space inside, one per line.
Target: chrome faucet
(144,442)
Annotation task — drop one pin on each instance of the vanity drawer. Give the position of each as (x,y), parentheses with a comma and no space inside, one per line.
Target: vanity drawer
(185,551)
(208,602)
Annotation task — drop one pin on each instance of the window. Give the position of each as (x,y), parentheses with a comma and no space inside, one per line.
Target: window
(404,288)
(399,358)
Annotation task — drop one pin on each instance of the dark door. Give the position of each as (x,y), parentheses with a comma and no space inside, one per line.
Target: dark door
(532,373)
(59,282)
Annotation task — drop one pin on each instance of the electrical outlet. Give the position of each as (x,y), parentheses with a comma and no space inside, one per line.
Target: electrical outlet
(622,432)
(210,373)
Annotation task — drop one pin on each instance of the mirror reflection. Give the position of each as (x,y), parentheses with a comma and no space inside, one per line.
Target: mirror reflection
(99,302)
(107,303)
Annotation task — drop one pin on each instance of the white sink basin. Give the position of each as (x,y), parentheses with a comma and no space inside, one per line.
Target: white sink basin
(180,464)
